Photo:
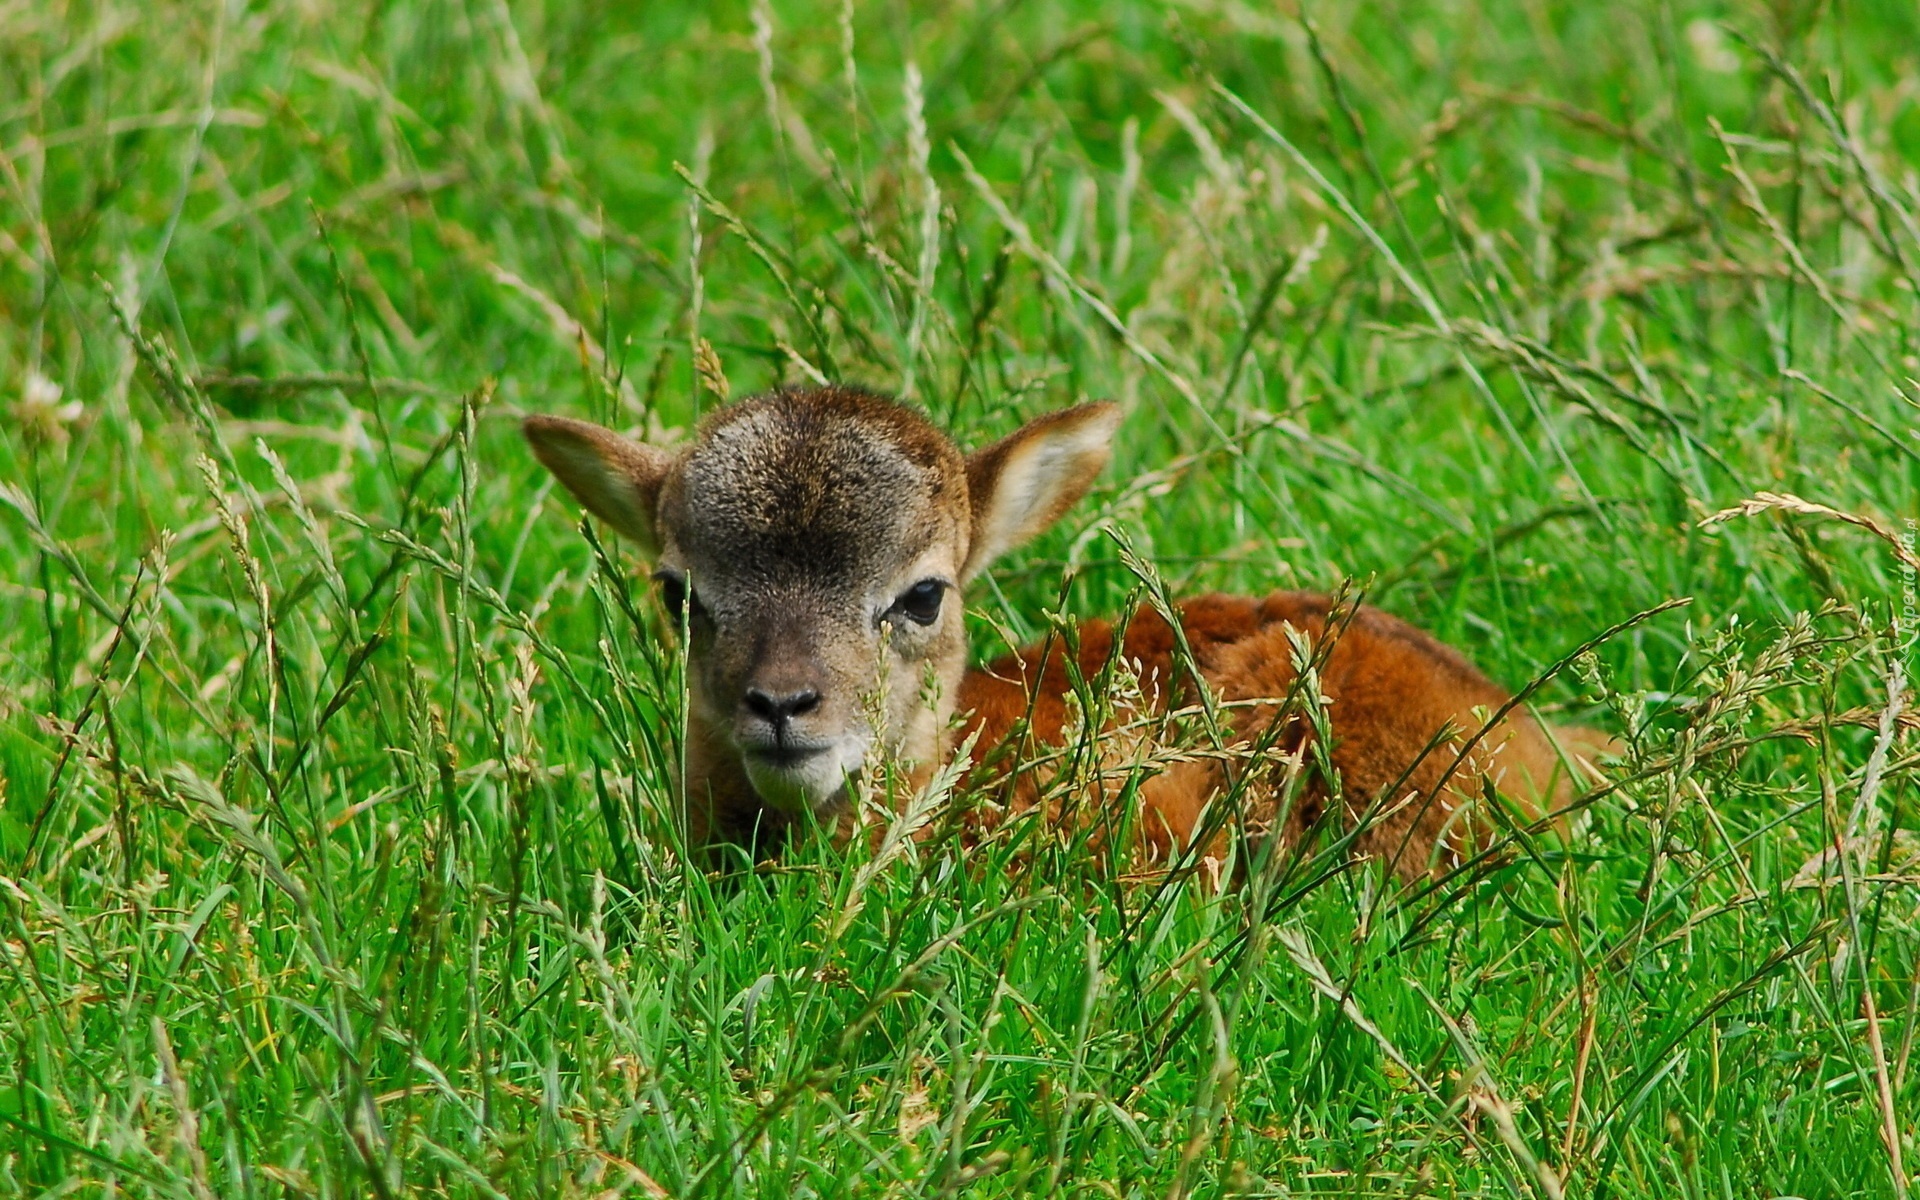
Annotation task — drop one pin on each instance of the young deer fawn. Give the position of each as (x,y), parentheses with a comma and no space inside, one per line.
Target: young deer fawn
(816,543)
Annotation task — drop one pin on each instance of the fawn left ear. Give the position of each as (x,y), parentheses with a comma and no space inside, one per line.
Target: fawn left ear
(616,478)
(1023,483)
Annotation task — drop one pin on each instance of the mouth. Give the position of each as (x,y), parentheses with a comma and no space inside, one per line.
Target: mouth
(785,758)
(794,776)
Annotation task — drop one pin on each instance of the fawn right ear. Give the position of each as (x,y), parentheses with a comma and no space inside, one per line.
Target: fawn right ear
(616,478)
(1020,485)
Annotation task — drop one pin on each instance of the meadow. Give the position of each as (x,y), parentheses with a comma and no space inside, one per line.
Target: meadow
(337,848)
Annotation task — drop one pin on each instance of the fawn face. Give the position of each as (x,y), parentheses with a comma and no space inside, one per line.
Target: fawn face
(814,542)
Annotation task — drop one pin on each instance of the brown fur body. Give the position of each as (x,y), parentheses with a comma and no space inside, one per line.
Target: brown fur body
(1392,691)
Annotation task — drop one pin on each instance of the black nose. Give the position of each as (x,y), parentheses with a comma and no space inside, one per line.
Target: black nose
(778,710)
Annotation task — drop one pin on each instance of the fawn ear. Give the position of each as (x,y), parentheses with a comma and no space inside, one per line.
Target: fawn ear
(616,478)
(1020,485)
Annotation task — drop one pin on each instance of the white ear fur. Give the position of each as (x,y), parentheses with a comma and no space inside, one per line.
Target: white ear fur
(1020,485)
(616,478)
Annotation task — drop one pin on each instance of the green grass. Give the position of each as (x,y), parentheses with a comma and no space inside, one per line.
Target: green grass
(334,761)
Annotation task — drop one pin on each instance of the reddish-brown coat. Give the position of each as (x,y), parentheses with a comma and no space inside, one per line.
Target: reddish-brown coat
(1392,689)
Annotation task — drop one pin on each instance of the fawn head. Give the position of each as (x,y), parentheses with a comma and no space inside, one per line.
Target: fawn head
(815,543)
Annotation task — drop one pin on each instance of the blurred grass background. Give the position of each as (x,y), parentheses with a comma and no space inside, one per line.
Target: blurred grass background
(334,762)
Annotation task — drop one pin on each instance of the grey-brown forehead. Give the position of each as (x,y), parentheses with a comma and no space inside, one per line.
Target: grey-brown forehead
(804,501)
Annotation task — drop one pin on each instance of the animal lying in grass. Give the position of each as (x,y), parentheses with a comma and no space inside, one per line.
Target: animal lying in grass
(817,542)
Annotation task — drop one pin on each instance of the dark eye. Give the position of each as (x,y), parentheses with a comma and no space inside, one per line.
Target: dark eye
(921,602)
(673,595)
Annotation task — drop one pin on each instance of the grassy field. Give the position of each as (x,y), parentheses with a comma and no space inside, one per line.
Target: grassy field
(335,762)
